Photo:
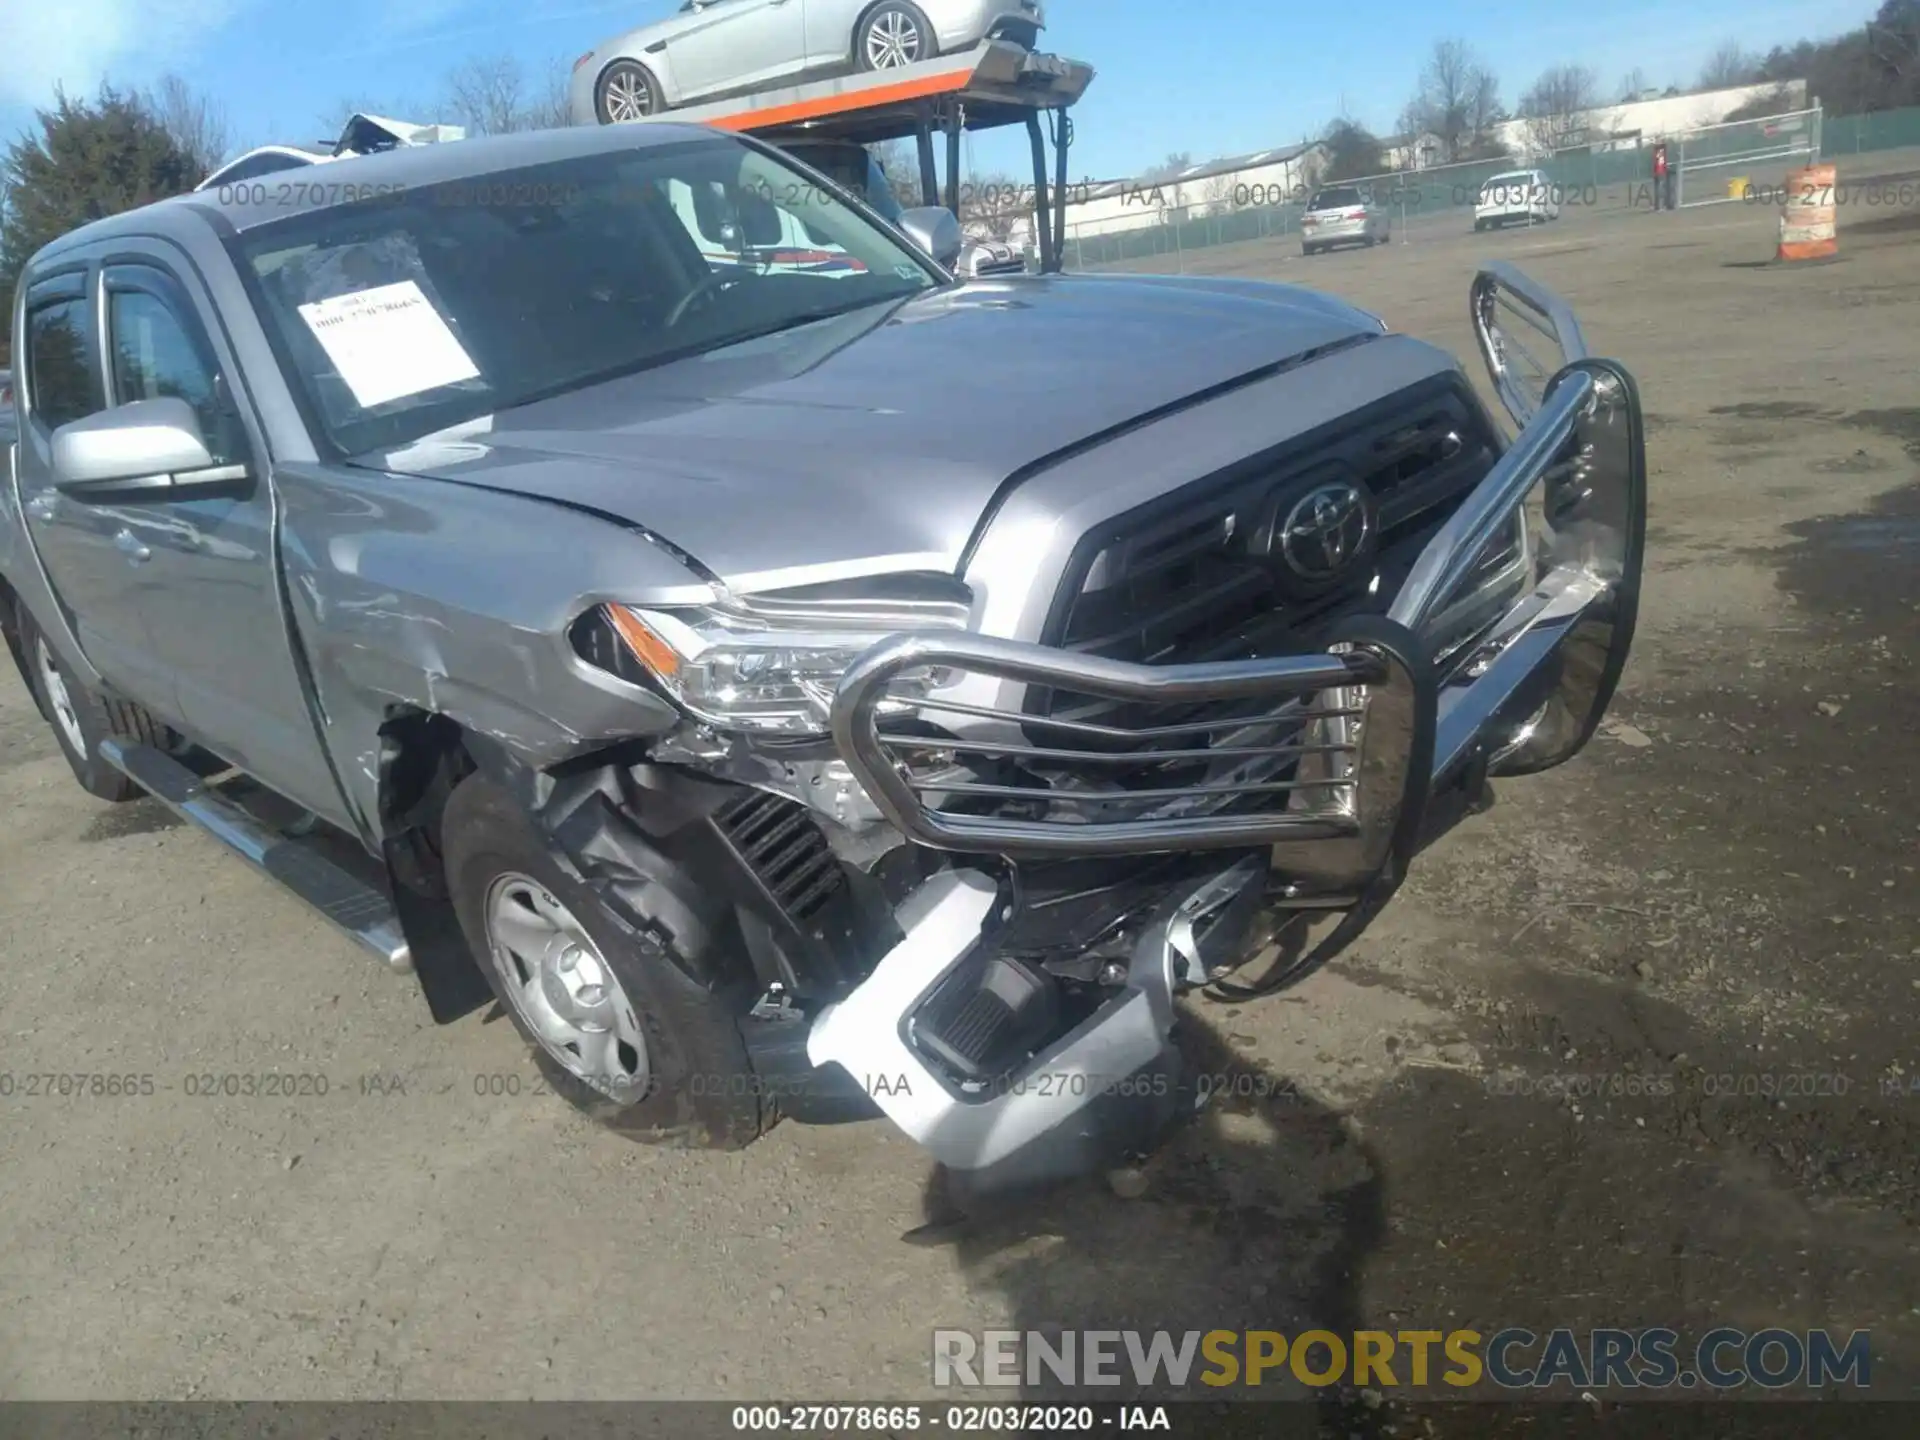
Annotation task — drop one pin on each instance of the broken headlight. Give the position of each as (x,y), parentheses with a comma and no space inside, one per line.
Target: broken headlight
(771,663)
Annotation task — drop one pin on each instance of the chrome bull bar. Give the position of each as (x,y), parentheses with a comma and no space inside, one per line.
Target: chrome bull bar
(1349,729)
(1513,669)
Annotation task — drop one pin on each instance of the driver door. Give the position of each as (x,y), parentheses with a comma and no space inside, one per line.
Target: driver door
(88,551)
(209,573)
(737,44)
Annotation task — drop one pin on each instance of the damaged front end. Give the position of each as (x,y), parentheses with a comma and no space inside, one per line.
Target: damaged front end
(1047,845)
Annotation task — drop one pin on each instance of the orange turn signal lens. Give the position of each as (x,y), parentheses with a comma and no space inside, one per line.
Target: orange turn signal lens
(648,648)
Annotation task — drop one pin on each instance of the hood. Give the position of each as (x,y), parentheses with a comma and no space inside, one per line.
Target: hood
(876,442)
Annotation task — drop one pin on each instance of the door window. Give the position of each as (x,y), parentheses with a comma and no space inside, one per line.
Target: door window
(155,355)
(61,383)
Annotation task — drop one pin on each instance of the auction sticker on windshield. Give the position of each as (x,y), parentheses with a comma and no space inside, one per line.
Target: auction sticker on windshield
(388,342)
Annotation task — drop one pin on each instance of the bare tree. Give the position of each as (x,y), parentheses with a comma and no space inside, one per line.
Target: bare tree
(1458,102)
(901,166)
(1216,192)
(1729,65)
(1171,166)
(1631,84)
(333,119)
(197,124)
(492,95)
(1557,105)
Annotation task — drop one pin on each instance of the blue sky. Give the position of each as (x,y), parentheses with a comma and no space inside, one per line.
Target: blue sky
(1205,77)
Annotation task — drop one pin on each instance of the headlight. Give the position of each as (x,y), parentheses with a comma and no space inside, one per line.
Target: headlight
(771,664)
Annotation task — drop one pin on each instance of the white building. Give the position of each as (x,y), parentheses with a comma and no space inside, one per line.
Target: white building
(1412,152)
(1266,177)
(1642,122)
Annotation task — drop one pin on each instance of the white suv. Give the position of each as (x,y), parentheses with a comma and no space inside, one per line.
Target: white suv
(1524,195)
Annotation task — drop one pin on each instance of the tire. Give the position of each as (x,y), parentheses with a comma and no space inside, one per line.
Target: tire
(891,35)
(81,719)
(1478,226)
(688,1080)
(1309,251)
(626,91)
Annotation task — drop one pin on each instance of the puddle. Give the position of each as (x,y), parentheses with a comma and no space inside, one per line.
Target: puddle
(1901,424)
(1864,532)
(1775,410)
(1861,563)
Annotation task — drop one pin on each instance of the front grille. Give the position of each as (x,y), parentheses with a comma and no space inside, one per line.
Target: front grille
(1195,576)
(780,842)
(1200,576)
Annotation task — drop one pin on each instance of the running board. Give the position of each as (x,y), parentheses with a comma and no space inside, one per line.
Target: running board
(359,909)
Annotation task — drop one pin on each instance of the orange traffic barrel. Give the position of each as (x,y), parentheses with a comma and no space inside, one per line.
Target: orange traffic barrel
(1807,215)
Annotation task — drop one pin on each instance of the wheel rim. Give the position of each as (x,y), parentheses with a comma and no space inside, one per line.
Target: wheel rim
(59,699)
(628,96)
(893,40)
(563,988)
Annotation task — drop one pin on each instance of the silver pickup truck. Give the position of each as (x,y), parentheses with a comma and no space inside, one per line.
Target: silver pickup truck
(651,647)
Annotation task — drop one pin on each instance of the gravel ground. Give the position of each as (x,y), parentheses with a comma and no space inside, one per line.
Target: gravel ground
(1707,922)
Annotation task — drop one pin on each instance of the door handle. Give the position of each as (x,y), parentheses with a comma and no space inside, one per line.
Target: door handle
(43,506)
(128,545)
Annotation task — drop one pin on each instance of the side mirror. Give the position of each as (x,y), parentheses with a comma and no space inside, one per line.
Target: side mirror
(935,230)
(145,448)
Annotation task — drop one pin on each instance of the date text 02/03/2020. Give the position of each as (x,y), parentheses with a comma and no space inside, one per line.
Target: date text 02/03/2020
(953,1419)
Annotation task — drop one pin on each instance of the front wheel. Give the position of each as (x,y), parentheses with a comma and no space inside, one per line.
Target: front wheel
(82,719)
(627,91)
(893,35)
(615,1023)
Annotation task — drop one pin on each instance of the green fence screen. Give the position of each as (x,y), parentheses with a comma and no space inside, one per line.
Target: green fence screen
(1416,199)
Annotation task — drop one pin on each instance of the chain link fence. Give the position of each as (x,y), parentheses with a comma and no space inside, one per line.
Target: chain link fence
(1880,130)
(1716,164)
(1415,201)
(1428,201)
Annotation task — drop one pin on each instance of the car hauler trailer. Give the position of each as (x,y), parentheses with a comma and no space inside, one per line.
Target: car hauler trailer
(994,85)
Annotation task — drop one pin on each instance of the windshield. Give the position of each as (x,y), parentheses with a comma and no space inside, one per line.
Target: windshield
(1344,198)
(405,314)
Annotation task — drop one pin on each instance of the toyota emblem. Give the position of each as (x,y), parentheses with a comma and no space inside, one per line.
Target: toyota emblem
(1326,530)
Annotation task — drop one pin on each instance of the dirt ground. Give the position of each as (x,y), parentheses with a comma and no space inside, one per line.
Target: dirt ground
(1635,1047)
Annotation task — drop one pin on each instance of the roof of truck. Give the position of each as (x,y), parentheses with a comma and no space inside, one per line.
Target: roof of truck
(276,197)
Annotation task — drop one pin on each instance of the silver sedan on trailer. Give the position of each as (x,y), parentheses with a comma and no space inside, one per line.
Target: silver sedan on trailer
(714,48)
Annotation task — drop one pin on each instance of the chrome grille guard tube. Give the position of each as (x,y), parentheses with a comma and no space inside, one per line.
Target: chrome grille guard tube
(1503,646)
(1318,749)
